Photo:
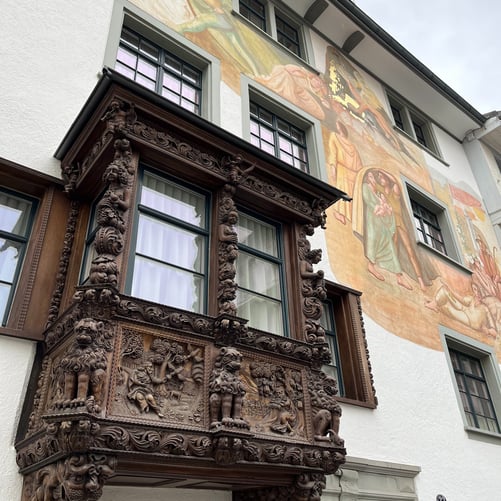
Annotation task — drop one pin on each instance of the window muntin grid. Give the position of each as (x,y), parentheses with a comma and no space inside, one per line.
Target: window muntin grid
(278,137)
(16,219)
(254,11)
(169,212)
(327,321)
(428,227)
(475,396)
(159,70)
(260,274)
(288,35)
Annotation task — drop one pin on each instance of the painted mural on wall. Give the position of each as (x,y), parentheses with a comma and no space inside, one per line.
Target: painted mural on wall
(369,160)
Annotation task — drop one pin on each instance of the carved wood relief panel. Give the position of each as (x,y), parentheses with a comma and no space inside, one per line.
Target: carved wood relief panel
(159,377)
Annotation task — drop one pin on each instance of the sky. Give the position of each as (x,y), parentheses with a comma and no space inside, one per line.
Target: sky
(459,40)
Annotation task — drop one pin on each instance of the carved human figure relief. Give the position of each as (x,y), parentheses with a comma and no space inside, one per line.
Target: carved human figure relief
(159,378)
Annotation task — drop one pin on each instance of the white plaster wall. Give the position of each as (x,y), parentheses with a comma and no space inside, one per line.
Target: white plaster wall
(16,359)
(231,110)
(159,494)
(453,153)
(418,422)
(51,54)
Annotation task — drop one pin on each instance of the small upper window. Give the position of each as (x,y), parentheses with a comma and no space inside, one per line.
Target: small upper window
(288,34)
(413,124)
(254,11)
(16,218)
(475,372)
(345,335)
(278,137)
(279,26)
(432,224)
(159,70)
(428,227)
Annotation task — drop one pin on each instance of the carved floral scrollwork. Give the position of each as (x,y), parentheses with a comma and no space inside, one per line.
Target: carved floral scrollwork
(64,261)
(227,252)
(306,487)
(312,287)
(175,146)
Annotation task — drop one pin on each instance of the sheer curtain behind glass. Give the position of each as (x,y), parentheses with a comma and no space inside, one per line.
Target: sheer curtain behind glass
(170,260)
(259,295)
(14,224)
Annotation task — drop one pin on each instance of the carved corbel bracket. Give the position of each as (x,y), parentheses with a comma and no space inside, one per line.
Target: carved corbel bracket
(228,330)
(79,477)
(306,487)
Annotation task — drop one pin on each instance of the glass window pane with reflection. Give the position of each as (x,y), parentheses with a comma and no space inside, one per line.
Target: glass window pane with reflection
(16,215)
(259,275)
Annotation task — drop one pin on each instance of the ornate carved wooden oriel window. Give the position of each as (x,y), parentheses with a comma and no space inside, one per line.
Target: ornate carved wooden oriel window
(192,353)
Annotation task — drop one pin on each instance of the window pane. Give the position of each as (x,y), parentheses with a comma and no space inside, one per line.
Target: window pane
(9,256)
(145,82)
(158,70)
(14,214)
(173,200)
(474,391)
(262,313)
(127,58)
(258,275)
(170,244)
(153,281)
(4,298)
(147,69)
(257,234)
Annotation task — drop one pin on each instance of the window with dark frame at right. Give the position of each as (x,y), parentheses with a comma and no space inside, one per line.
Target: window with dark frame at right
(16,220)
(413,123)
(344,332)
(428,227)
(474,391)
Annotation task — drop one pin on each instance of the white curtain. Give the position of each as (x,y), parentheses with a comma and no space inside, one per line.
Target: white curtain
(169,266)
(261,301)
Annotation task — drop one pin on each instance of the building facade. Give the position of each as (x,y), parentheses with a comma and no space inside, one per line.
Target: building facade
(250,250)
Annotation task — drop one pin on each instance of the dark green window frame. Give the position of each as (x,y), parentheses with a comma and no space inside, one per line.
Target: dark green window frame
(277,260)
(474,391)
(288,35)
(328,322)
(428,227)
(178,224)
(89,253)
(18,241)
